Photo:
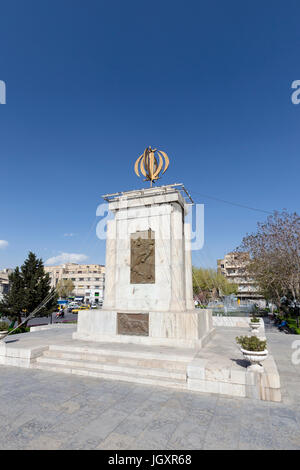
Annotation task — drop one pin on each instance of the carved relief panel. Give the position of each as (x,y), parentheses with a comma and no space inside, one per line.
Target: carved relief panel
(142,257)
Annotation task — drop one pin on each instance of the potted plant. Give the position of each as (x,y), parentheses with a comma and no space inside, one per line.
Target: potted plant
(3,329)
(254,350)
(254,323)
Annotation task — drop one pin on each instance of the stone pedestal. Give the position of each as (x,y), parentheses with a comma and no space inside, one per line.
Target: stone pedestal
(179,329)
(148,281)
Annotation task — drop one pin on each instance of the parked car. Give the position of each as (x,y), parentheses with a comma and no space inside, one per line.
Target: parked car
(78,309)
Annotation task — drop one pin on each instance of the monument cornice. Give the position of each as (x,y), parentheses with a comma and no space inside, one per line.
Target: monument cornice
(149,196)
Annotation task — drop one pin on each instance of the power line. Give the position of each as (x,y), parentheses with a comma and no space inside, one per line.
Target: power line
(233,203)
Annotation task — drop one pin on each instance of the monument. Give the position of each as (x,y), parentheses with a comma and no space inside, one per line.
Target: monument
(148,330)
(148,283)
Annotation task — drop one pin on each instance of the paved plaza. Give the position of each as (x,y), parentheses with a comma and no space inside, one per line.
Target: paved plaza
(45,410)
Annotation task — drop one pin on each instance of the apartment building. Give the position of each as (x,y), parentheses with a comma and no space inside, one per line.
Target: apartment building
(4,282)
(234,268)
(88,279)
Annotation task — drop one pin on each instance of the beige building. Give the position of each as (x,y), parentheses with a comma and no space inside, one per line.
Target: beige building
(234,268)
(4,282)
(88,279)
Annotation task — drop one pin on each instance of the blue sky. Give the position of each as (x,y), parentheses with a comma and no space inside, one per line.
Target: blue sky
(91,83)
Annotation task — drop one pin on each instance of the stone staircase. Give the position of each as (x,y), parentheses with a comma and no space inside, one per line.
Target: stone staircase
(130,363)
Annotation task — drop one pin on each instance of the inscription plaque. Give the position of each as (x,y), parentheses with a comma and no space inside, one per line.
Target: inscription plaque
(142,259)
(136,324)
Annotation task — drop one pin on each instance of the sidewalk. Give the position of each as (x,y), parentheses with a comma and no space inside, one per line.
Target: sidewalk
(44,410)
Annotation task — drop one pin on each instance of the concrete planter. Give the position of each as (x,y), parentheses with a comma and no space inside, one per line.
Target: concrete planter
(2,334)
(254,326)
(255,357)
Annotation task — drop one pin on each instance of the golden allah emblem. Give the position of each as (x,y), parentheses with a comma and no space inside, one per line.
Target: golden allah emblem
(151,163)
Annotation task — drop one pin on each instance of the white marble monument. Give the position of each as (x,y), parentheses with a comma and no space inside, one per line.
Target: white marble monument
(148,282)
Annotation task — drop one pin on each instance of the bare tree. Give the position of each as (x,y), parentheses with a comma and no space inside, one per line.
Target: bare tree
(65,287)
(275,256)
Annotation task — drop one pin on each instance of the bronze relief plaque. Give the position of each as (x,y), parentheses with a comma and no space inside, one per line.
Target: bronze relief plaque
(136,324)
(142,257)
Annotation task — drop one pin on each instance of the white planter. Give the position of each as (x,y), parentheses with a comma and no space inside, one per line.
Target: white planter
(2,334)
(254,326)
(255,357)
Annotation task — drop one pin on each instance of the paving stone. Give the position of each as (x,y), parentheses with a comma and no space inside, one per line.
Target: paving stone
(44,410)
(223,433)
(150,440)
(134,425)
(116,441)
(43,443)
(162,426)
(189,434)
(26,433)
(256,437)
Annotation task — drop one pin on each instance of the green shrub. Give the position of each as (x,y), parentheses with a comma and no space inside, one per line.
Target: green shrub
(251,343)
(254,319)
(292,323)
(20,330)
(3,326)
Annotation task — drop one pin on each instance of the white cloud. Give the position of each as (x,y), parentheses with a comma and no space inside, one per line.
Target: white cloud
(67,258)
(69,234)
(3,243)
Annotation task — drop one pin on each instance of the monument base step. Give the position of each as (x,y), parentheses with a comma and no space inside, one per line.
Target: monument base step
(120,376)
(125,351)
(163,368)
(109,367)
(113,361)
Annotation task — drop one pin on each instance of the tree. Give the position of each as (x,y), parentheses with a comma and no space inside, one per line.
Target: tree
(29,286)
(65,287)
(209,284)
(275,256)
